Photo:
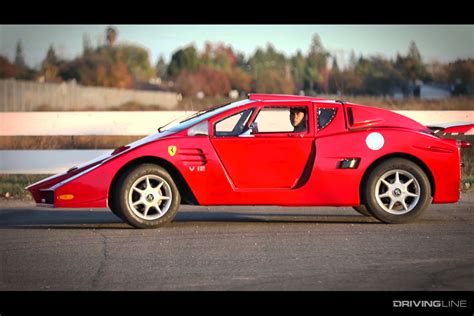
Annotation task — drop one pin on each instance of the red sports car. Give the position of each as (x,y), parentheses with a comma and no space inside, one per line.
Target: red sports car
(270,150)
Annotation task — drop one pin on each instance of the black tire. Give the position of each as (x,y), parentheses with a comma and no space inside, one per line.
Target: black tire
(137,178)
(378,198)
(361,209)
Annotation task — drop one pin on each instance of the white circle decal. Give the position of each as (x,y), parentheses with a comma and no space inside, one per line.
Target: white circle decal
(374,141)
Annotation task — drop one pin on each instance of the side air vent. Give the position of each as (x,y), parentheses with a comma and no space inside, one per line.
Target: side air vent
(192,156)
(350,116)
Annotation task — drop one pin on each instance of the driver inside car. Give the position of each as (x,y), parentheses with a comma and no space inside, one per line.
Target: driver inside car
(298,119)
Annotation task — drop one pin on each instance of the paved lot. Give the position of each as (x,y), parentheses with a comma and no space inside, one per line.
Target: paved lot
(237,248)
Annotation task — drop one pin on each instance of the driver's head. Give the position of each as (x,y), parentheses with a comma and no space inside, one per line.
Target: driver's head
(296,116)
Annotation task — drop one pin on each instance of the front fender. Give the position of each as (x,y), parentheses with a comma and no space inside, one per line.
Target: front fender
(92,187)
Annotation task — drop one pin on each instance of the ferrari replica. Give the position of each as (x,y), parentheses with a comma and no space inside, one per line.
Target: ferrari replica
(271,150)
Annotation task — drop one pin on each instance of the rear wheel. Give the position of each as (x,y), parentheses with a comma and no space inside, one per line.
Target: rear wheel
(397,191)
(147,197)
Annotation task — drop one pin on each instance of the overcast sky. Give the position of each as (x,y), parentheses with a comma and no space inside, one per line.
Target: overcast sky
(435,42)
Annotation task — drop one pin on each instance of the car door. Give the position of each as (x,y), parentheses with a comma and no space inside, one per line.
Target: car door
(271,156)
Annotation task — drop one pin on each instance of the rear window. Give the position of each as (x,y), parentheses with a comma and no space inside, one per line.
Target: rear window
(325,117)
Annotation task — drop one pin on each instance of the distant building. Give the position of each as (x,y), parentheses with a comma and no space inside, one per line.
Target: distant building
(425,91)
(431,91)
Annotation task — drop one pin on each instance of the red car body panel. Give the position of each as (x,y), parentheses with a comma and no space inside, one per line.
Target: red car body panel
(288,169)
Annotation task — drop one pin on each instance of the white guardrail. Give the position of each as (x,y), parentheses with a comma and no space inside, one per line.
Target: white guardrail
(114,123)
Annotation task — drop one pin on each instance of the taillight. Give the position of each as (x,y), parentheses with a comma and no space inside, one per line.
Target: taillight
(463,143)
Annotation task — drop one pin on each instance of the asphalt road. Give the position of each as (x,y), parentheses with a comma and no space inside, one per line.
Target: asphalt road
(237,248)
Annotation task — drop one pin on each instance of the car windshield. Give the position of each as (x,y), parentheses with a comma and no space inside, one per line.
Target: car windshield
(189,120)
(180,120)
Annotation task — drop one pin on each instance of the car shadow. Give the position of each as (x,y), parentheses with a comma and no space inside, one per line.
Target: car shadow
(105,219)
(60,219)
(268,217)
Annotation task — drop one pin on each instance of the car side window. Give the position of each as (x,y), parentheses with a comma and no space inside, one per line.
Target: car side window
(233,125)
(325,117)
(282,119)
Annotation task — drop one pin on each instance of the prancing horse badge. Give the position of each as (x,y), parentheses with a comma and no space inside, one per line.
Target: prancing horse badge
(172,150)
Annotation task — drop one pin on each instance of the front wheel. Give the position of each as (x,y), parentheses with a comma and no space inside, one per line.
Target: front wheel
(397,191)
(147,197)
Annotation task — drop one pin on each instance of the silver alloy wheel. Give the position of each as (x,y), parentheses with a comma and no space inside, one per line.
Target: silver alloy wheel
(150,197)
(397,192)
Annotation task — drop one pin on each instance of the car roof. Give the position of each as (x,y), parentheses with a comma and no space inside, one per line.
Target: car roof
(282,97)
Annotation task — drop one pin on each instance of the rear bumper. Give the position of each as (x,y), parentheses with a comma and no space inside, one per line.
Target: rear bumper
(447,179)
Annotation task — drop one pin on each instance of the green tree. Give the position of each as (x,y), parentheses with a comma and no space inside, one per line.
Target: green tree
(137,60)
(242,62)
(183,59)
(270,64)
(411,67)
(160,68)
(272,81)
(51,56)
(267,59)
(438,72)
(22,71)
(335,65)
(414,53)
(19,58)
(379,76)
(298,67)
(352,60)
(97,70)
(316,62)
(50,66)
(224,58)
(218,56)
(318,55)
(86,44)
(461,76)
(345,82)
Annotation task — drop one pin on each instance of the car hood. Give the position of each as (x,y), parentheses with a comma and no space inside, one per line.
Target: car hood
(50,181)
